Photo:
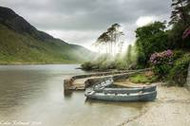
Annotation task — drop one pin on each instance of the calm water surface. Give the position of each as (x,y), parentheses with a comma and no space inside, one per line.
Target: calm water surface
(34,95)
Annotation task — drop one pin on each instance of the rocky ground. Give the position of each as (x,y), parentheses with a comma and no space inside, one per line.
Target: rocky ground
(171,108)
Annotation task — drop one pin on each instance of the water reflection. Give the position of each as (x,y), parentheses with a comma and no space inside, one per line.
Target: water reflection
(35,93)
(67,93)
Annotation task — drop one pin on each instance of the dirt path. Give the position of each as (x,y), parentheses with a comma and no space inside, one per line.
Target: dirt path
(172,108)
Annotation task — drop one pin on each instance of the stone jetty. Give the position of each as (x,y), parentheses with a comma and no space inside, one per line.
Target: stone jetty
(81,82)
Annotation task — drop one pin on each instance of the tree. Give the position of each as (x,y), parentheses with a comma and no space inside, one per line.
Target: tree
(111,40)
(151,38)
(103,40)
(128,56)
(180,12)
(180,21)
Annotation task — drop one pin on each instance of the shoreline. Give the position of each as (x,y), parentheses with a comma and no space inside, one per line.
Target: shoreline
(171,108)
(39,64)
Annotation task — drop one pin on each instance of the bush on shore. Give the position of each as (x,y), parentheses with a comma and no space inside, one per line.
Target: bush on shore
(178,74)
(162,62)
(171,66)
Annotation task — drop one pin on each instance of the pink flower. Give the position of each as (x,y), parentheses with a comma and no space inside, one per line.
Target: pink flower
(162,57)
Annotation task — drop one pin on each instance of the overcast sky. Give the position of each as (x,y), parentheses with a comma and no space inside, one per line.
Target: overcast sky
(82,21)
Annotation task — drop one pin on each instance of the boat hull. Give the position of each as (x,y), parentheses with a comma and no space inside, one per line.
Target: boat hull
(147,96)
(126,90)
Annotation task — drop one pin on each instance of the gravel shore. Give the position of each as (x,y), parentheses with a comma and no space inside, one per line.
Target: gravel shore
(171,108)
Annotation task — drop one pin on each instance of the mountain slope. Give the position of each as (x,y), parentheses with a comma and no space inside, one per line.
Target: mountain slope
(20,42)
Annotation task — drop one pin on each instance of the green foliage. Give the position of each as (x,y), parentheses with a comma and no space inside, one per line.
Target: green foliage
(180,20)
(19,48)
(178,73)
(121,63)
(178,54)
(87,66)
(151,38)
(162,62)
(143,78)
(162,70)
(175,37)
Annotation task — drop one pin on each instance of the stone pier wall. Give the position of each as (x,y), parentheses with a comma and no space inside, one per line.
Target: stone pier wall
(106,73)
(67,83)
(99,77)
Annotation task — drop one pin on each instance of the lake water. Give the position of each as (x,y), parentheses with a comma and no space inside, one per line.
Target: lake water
(33,95)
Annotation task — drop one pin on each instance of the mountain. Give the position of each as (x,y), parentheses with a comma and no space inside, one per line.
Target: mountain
(20,42)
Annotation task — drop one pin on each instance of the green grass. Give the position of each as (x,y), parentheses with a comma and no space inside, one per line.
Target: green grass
(143,78)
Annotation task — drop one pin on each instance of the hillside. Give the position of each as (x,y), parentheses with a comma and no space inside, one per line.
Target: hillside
(20,42)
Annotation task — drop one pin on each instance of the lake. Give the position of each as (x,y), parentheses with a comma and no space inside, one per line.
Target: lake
(34,95)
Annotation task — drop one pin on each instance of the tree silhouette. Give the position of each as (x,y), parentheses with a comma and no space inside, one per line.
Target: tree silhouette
(103,40)
(111,40)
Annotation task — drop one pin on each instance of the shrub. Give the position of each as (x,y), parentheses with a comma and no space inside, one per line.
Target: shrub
(87,66)
(178,54)
(162,62)
(178,73)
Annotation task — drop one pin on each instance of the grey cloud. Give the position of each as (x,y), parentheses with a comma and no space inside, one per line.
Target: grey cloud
(85,15)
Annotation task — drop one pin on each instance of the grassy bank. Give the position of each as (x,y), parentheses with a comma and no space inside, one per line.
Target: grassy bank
(145,78)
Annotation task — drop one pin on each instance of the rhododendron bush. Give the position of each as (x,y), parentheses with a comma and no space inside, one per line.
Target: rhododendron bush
(162,62)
